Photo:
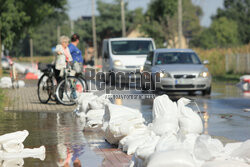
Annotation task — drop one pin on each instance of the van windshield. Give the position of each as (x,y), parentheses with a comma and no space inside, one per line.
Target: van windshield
(131,47)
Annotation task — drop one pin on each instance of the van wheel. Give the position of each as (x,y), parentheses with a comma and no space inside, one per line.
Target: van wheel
(207,91)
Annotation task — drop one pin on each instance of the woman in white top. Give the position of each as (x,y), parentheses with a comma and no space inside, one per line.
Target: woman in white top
(63,55)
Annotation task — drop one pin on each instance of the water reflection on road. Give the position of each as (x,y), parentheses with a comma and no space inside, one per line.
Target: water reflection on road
(61,134)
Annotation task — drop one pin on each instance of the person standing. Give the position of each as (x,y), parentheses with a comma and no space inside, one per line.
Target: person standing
(76,53)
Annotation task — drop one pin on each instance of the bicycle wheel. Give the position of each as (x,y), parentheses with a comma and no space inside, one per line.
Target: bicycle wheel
(53,94)
(85,85)
(44,89)
(69,90)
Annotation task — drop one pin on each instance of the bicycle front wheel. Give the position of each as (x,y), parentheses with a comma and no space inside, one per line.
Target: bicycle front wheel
(68,90)
(44,90)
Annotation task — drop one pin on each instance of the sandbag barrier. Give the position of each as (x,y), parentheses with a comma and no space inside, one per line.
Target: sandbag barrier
(12,150)
(173,139)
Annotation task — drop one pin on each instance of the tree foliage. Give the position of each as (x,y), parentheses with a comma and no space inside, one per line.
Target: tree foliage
(238,11)
(19,17)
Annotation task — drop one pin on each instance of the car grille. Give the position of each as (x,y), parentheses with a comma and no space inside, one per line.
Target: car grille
(167,86)
(184,76)
(201,86)
(184,86)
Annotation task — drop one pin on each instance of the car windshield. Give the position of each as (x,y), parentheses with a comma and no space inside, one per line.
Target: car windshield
(131,47)
(177,58)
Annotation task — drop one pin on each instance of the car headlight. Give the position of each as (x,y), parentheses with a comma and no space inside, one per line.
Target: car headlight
(117,63)
(204,74)
(165,75)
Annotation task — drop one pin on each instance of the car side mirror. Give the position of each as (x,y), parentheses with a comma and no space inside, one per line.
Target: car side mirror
(205,62)
(148,62)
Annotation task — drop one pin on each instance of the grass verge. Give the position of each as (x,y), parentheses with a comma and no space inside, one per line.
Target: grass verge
(232,78)
(42,59)
(2,99)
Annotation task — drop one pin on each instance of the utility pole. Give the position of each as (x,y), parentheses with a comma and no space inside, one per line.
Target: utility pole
(180,23)
(94,31)
(72,27)
(123,19)
(58,33)
(0,52)
(31,50)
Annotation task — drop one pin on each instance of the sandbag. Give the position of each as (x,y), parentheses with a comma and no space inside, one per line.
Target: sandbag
(166,142)
(120,121)
(94,117)
(225,163)
(12,146)
(5,82)
(99,103)
(172,158)
(230,147)
(242,152)
(17,162)
(15,137)
(189,121)
(137,138)
(144,151)
(165,125)
(206,148)
(84,100)
(164,107)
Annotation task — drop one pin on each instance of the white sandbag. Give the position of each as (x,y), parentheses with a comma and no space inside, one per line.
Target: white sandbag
(144,151)
(242,152)
(119,121)
(17,137)
(164,107)
(5,82)
(188,141)
(173,158)
(12,147)
(166,142)
(165,125)
(20,83)
(99,102)
(17,162)
(83,102)
(25,153)
(230,147)
(94,117)
(225,163)
(206,148)
(189,121)
(131,142)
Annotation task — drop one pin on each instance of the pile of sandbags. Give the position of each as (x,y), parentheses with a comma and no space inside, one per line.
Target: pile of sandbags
(6,82)
(186,146)
(12,150)
(90,110)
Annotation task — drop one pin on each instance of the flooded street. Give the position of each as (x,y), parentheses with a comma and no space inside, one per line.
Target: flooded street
(64,139)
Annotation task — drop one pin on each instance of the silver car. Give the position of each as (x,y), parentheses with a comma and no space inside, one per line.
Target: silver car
(178,70)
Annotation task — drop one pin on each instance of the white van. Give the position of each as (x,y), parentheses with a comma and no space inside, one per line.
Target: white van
(125,54)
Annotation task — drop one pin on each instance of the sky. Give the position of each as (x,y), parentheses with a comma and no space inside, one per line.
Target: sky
(78,8)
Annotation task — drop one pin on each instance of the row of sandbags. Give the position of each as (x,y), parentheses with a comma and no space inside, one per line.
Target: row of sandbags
(6,82)
(12,150)
(172,139)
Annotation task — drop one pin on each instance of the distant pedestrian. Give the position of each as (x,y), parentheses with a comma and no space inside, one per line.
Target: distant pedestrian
(76,53)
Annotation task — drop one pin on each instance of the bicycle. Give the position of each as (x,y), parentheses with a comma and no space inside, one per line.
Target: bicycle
(47,83)
(70,88)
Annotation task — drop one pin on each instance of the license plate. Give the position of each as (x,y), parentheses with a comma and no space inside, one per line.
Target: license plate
(182,81)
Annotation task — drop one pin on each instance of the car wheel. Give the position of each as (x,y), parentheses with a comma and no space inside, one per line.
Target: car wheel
(207,91)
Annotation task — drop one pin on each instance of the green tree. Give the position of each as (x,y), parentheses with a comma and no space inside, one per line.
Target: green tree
(238,11)
(222,33)
(19,17)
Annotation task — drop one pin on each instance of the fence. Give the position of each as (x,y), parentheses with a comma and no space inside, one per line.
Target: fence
(237,63)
